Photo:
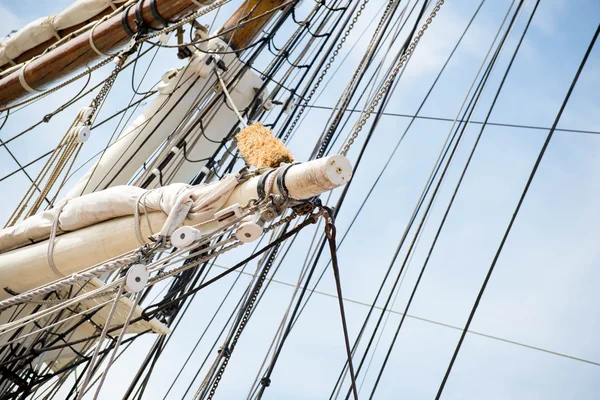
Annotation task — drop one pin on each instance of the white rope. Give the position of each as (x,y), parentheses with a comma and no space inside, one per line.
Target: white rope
(91,38)
(141,200)
(53,28)
(92,363)
(50,252)
(231,103)
(24,83)
(111,4)
(134,305)
(68,281)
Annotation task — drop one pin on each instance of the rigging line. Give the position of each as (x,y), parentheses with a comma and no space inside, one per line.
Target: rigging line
(294,117)
(432,118)
(22,168)
(78,97)
(147,93)
(135,90)
(431,321)
(209,323)
(442,156)
(349,91)
(371,189)
(373,75)
(343,196)
(26,165)
(330,233)
(296,314)
(442,223)
(516,212)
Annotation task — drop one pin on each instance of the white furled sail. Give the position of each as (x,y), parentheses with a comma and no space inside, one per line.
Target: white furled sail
(43,29)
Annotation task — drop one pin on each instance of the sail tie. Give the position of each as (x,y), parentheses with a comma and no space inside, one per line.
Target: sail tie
(23,82)
(50,252)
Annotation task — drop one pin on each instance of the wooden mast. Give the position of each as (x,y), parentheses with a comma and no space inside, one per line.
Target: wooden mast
(40,48)
(250,11)
(110,35)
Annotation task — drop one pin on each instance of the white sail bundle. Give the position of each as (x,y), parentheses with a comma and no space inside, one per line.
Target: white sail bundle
(118,201)
(46,28)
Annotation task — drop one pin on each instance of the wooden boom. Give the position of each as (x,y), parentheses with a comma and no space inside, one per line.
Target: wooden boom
(112,34)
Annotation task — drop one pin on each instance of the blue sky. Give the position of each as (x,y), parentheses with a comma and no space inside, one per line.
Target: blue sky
(544,289)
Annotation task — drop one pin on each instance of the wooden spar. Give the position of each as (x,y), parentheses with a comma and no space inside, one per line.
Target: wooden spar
(111,35)
(76,53)
(40,48)
(250,9)
(26,268)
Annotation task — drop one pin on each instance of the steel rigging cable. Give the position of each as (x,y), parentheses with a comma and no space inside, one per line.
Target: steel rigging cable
(407,307)
(417,210)
(516,212)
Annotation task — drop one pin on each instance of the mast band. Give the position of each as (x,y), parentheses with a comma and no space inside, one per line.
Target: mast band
(157,15)
(124,22)
(139,19)
(260,187)
(24,83)
(281,181)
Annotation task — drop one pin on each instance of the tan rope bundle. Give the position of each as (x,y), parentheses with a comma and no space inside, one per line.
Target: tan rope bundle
(260,148)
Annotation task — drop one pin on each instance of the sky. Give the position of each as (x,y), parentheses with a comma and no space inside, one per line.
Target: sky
(543,292)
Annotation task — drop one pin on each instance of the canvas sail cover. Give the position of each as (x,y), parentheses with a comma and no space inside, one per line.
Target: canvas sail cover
(44,29)
(115,202)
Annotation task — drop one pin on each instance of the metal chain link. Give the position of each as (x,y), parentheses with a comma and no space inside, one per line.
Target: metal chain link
(247,312)
(303,209)
(326,69)
(108,84)
(60,86)
(343,102)
(390,79)
(185,20)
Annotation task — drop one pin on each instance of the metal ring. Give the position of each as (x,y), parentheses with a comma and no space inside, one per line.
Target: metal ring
(260,187)
(139,19)
(157,15)
(124,22)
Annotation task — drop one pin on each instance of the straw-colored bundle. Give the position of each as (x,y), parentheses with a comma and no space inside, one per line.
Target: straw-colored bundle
(260,149)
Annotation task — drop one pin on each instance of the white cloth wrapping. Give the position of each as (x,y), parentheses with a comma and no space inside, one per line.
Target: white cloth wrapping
(203,200)
(43,29)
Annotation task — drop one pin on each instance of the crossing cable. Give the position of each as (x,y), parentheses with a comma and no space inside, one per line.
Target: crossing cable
(381,34)
(297,310)
(516,213)
(389,81)
(340,65)
(417,209)
(415,288)
(337,210)
(330,233)
(431,321)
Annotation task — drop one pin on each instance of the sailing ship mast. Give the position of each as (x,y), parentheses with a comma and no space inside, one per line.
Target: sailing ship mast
(91,263)
(69,260)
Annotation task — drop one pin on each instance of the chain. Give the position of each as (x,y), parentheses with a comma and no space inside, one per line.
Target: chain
(390,79)
(343,101)
(185,20)
(247,313)
(303,209)
(59,86)
(108,83)
(326,69)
